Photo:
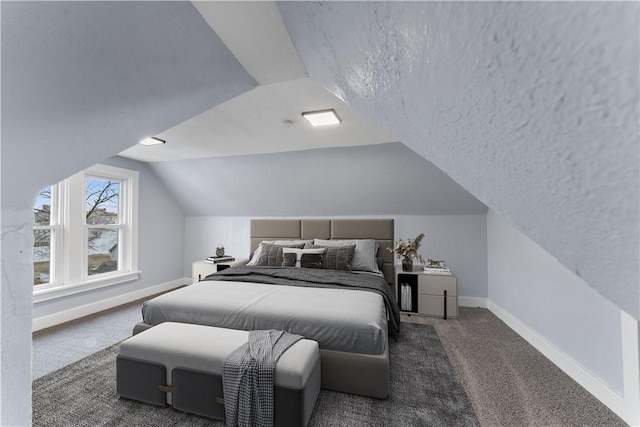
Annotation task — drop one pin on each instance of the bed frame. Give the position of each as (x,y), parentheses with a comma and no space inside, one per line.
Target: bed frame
(362,374)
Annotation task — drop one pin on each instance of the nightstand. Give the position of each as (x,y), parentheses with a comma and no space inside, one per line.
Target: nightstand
(201,269)
(429,294)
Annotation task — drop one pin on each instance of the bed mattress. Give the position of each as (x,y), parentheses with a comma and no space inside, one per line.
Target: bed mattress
(344,320)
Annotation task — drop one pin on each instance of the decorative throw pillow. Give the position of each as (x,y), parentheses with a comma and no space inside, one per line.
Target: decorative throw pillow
(305,258)
(271,254)
(336,257)
(311,260)
(364,256)
(258,252)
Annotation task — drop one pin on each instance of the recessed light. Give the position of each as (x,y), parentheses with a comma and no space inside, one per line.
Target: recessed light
(322,117)
(152,140)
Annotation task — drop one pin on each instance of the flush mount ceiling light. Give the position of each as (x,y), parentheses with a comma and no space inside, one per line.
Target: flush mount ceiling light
(322,117)
(152,140)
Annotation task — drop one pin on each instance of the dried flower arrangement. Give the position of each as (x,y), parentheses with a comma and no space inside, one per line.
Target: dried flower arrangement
(408,248)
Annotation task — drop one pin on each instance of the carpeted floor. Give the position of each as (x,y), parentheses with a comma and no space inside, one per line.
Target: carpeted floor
(424,392)
(508,382)
(61,345)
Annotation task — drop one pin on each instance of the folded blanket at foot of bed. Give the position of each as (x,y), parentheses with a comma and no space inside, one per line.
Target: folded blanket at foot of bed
(247,377)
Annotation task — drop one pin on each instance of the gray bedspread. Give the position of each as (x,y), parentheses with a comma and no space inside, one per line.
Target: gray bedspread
(317,278)
(348,319)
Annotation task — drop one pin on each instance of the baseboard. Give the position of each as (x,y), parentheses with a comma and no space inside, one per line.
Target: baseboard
(566,363)
(631,367)
(96,307)
(472,302)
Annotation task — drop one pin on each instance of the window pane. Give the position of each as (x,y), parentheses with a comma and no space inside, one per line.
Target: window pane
(102,201)
(103,250)
(42,208)
(41,257)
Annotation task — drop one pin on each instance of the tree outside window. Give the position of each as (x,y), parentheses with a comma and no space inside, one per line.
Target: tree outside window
(85,232)
(102,217)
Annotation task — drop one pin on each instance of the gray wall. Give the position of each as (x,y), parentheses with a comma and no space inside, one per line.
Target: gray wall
(81,82)
(540,292)
(366,180)
(160,244)
(460,240)
(220,195)
(531,106)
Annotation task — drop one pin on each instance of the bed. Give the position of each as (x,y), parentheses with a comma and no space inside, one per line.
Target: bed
(350,313)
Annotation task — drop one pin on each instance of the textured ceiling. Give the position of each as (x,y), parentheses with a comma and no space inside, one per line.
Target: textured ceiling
(268,118)
(531,106)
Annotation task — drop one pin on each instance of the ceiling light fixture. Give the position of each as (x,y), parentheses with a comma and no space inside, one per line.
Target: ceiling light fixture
(152,140)
(322,117)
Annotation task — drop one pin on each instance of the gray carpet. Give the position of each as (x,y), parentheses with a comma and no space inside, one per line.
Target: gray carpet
(509,382)
(424,392)
(56,347)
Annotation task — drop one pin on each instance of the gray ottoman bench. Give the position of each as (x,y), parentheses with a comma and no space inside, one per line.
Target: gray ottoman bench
(180,364)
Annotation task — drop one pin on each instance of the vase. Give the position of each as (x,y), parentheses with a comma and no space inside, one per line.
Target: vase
(407,264)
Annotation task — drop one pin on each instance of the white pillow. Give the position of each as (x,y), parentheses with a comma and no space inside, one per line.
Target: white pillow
(300,252)
(258,251)
(364,256)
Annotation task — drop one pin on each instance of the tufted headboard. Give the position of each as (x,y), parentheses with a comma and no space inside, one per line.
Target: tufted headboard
(291,229)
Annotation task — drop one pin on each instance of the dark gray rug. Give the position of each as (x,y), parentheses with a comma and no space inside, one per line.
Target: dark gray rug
(424,392)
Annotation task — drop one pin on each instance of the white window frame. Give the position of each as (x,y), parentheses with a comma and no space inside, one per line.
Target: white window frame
(70,255)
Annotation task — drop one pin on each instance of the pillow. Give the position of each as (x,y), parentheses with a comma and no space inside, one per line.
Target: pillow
(364,256)
(305,258)
(271,254)
(336,257)
(256,255)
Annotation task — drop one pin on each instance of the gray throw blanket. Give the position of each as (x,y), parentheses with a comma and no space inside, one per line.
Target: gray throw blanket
(318,278)
(247,378)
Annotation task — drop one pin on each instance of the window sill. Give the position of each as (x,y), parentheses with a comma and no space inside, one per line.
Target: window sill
(41,295)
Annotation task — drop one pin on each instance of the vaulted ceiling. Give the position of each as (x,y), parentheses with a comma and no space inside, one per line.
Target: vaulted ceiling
(266,119)
(82,81)
(531,107)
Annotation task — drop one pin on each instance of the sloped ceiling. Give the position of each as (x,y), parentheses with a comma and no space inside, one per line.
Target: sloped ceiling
(84,80)
(266,119)
(381,179)
(531,106)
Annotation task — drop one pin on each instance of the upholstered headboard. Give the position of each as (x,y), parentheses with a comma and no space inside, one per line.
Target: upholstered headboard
(291,229)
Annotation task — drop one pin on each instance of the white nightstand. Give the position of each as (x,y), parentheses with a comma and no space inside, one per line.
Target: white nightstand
(431,294)
(201,269)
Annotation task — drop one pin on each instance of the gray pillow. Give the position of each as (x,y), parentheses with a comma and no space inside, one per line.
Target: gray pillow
(336,257)
(308,258)
(255,256)
(364,256)
(311,261)
(271,255)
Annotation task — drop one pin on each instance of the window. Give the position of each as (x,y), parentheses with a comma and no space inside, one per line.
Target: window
(43,236)
(103,225)
(85,232)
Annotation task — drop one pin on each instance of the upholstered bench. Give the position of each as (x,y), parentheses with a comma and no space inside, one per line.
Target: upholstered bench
(180,364)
